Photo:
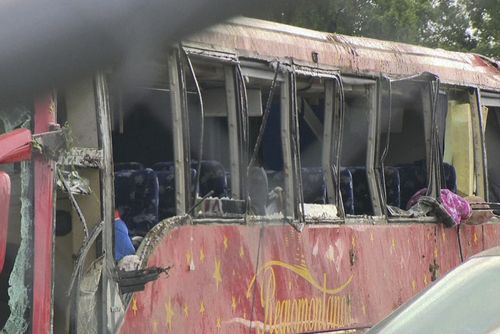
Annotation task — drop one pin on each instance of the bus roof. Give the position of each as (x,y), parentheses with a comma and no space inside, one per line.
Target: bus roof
(359,56)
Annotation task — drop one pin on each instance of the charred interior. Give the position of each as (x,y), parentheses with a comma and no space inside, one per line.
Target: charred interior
(404,135)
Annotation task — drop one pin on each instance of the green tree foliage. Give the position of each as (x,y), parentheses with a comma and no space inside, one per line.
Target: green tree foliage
(464,25)
(448,27)
(485,18)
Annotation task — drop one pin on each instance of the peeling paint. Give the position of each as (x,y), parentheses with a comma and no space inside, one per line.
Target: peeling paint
(330,254)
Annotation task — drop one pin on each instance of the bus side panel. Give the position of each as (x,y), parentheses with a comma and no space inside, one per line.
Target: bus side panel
(490,235)
(43,223)
(327,277)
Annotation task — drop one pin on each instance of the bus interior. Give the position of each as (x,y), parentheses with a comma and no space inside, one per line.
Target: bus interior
(144,145)
(218,143)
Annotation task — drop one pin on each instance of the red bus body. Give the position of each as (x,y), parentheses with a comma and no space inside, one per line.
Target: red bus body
(325,278)
(253,274)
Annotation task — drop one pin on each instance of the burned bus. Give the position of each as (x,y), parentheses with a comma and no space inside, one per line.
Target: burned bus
(267,175)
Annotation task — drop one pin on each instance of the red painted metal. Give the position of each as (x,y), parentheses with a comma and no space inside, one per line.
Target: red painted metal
(327,277)
(15,146)
(43,223)
(353,55)
(4,214)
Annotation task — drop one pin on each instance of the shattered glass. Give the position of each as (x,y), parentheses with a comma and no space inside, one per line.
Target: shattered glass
(15,118)
(77,184)
(18,291)
(88,295)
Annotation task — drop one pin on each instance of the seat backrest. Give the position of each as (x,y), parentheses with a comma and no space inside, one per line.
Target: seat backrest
(392,186)
(164,166)
(212,177)
(131,165)
(413,177)
(346,190)
(361,203)
(313,184)
(166,192)
(361,191)
(137,197)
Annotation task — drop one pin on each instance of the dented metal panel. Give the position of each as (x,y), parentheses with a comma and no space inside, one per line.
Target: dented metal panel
(355,55)
(327,277)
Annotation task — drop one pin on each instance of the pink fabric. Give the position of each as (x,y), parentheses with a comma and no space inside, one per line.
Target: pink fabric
(457,207)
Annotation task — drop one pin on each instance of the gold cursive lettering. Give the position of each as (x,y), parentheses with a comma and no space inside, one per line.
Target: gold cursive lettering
(301,314)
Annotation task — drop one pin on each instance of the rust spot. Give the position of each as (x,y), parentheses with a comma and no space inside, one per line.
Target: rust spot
(353,257)
(314,57)
(434,270)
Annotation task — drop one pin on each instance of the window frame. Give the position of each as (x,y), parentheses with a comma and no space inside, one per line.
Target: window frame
(235,107)
(425,82)
(332,131)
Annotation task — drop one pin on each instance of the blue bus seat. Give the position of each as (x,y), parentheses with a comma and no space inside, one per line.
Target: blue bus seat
(313,184)
(392,186)
(361,191)
(413,177)
(347,191)
(212,178)
(137,197)
(166,184)
(131,165)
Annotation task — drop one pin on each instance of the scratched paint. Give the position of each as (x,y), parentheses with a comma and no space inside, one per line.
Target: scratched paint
(357,276)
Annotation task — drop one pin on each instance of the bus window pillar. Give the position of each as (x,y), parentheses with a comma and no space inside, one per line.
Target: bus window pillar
(374,185)
(232,120)
(331,138)
(178,136)
(109,287)
(328,143)
(286,140)
(480,163)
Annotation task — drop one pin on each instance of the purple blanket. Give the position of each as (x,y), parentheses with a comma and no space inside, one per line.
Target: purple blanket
(457,207)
